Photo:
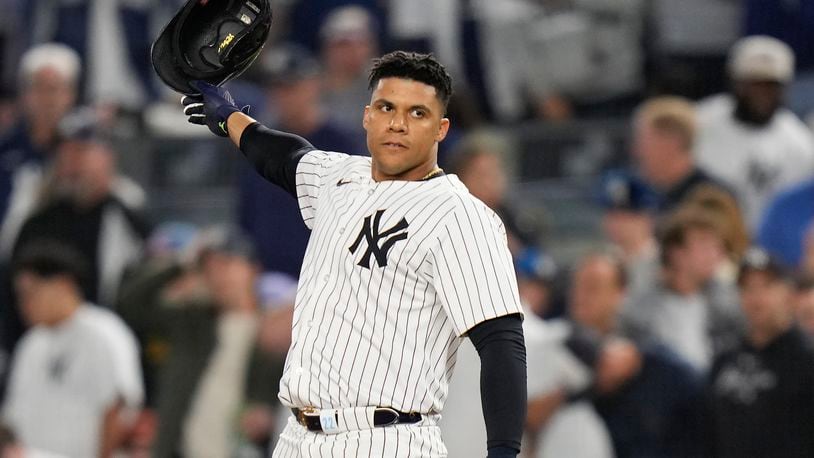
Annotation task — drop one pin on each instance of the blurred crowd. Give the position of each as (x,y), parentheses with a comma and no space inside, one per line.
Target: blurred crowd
(683,329)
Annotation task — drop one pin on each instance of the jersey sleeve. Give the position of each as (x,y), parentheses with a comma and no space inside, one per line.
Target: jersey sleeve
(472,268)
(312,173)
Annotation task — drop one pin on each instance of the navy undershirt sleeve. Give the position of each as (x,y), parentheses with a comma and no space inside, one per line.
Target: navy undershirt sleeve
(502,351)
(274,154)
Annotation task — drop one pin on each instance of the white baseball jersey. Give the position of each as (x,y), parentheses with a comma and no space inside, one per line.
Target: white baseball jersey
(395,273)
(756,162)
(64,378)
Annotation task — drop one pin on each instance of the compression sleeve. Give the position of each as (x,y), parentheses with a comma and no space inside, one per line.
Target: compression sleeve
(502,351)
(274,154)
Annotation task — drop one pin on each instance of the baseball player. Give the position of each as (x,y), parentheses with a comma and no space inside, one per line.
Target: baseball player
(402,263)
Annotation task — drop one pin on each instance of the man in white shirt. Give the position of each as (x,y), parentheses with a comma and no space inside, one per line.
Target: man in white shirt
(747,138)
(76,371)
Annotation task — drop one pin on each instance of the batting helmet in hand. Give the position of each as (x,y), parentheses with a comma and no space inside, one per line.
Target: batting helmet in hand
(212,41)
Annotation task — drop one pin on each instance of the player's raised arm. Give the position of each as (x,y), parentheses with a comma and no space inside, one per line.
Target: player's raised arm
(273,153)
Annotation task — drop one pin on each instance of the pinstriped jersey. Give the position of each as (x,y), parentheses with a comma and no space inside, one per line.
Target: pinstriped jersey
(395,273)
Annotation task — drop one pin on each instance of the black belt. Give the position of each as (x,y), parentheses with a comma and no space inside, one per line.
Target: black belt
(383,416)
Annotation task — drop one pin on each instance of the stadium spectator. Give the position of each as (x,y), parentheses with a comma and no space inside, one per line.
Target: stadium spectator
(664,133)
(747,138)
(762,392)
(628,224)
(787,221)
(349,44)
(47,82)
(678,311)
(169,248)
(265,212)
(213,376)
(88,204)
(75,381)
(792,23)
(480,161)
(647,396)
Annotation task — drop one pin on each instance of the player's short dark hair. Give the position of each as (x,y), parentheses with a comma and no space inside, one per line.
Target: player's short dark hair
(423,68)
(50,258)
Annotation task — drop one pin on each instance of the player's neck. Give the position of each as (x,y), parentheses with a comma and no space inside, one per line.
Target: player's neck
(423,173)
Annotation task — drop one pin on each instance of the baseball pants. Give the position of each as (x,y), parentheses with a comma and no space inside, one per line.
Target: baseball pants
(397,441)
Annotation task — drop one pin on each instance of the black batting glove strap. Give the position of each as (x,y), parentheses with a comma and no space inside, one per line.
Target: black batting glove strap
(211,108)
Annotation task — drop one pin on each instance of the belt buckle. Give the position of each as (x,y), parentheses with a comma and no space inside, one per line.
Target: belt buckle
(307,412)
(395,413)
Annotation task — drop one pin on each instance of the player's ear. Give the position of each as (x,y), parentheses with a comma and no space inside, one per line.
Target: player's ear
(442,130)
(365,118)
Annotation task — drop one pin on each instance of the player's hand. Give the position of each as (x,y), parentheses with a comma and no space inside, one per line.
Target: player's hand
(212,107)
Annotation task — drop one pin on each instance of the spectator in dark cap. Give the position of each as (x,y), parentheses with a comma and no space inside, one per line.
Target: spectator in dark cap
(266,213)
(762,392)
(628,223)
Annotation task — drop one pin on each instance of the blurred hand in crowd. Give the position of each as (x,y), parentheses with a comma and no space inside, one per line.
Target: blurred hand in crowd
(619,361)
(231,281)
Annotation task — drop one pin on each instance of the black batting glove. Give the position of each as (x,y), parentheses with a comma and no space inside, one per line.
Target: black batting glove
(212,107)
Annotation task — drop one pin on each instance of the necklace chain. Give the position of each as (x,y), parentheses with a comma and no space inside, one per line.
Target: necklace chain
(434,173)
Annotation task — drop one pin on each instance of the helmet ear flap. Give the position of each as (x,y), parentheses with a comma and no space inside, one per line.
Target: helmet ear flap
(214,42)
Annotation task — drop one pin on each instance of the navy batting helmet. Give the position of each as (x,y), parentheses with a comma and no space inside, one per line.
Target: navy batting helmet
(212,41)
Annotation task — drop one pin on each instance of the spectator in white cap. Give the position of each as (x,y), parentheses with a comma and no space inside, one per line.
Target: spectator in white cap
(47,82)
(748,138)
(348,40)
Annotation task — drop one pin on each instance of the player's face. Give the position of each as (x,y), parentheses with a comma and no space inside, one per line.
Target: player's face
(404,123)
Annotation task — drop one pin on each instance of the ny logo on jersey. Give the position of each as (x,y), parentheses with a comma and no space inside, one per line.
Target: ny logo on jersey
(370,232)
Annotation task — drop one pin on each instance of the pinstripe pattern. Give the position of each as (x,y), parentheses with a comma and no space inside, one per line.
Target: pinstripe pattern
(386,332)
(400,441)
